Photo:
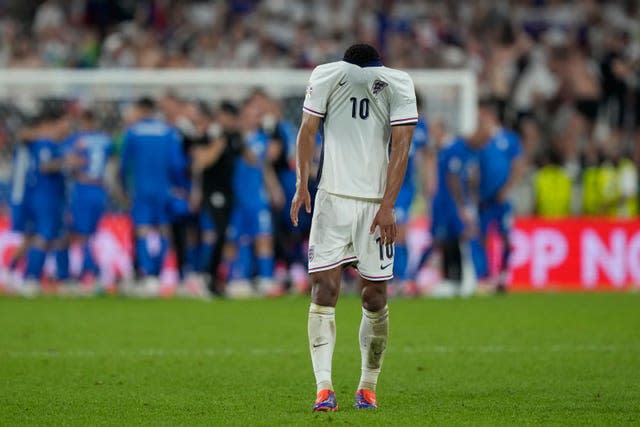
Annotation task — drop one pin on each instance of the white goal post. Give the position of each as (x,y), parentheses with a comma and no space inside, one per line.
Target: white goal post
(449,94)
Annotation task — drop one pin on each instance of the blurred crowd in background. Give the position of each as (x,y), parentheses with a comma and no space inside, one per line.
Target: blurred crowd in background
(564,74)
(567,73)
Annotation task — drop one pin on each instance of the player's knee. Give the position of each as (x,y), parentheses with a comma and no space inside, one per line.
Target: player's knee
(39,242)
(209,237)
(264,245)
(143,230)
(374,296)
(324,289)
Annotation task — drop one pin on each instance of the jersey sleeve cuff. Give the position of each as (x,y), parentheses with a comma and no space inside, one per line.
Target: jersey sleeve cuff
(312,112)
(405,121)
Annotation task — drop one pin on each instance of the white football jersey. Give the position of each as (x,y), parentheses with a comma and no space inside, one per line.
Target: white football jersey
(359,105)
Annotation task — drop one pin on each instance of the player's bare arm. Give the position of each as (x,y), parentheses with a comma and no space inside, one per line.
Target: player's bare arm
(208,155)
(305,145)
(385,219)
(276,194)
(517,170)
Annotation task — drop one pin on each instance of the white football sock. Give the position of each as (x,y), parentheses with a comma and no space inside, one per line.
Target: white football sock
(322,340)
(374,331)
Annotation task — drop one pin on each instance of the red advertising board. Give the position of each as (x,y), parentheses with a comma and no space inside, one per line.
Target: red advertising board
(576,254)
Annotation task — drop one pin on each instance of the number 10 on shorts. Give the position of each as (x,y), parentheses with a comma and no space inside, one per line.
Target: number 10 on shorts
(384,250)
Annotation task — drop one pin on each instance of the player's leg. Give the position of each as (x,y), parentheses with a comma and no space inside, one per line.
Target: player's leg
(321,329)
(330,248)
(375,266)
(44,233)
(374,333)
(401,256)
(13,277)
(178,216)
(36,254)
(59,239)
(265,258)
(208,237)
(239,254)
(87,206)
(479,245)
(141,214)
(60,249)
(219,270)
(505,222)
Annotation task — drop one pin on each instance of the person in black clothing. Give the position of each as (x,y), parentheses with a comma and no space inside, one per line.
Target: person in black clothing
(215,162)
(616,71)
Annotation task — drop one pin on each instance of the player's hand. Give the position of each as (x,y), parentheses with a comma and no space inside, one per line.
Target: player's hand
(503,195)
(302,197)
(74,162)
(195,200)
(386,221)
(277,197)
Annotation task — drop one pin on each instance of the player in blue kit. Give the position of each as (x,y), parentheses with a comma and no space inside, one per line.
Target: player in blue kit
(19,193)
(151,159)
(454,219)
(501,166)
(251,225)
(88,193)
(417,160)
(44,207)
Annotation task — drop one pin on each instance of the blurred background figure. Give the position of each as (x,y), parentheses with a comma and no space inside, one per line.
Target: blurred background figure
(94,148)
(416,177)
(151,161)
(215,160)
(563,75)
(45,198)
(501,167)
(552,188)
(256,189)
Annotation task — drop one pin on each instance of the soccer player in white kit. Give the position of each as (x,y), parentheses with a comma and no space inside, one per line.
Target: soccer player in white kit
(367,113)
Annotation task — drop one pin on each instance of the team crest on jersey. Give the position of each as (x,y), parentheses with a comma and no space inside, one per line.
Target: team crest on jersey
(378,86)
(309,91)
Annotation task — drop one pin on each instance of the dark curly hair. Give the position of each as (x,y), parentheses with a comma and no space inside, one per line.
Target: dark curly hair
(361,54)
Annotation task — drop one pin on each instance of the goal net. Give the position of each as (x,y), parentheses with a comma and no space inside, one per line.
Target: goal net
(449,95)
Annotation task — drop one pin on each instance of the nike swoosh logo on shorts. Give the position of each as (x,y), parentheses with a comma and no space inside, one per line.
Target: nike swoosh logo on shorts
(342,83)
(385,266)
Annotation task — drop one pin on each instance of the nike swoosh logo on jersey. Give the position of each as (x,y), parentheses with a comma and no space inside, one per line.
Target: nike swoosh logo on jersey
(319,345)
(385,266)
(342,83)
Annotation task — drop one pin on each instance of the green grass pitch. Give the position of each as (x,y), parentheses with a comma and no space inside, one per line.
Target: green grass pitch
(526,359)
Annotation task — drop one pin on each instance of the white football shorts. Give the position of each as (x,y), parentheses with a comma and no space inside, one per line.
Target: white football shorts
(340,235)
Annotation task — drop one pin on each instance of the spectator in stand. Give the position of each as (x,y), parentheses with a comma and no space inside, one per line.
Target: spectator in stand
(592,197)
(619,182)
(616,71)
(552,187)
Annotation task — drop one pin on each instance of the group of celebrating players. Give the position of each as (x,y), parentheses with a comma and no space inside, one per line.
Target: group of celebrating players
(216,187)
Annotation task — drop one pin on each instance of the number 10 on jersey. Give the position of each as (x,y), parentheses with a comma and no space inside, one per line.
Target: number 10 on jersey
(363,111)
